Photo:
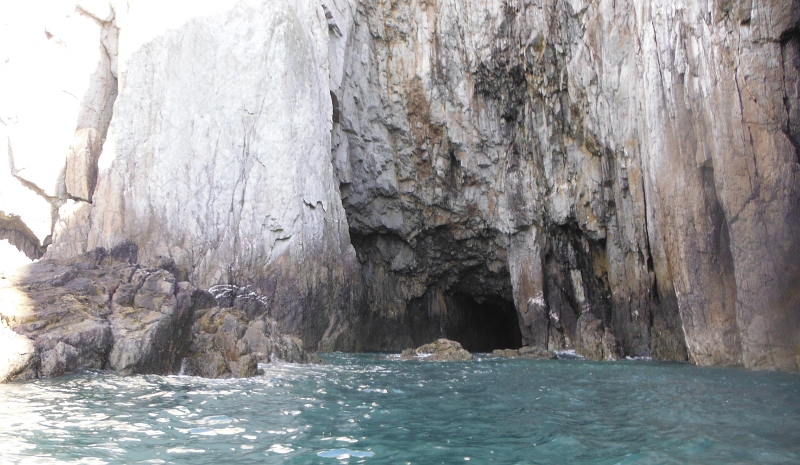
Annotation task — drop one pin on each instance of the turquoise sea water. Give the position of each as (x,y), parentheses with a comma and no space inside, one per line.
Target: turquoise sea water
(377,409)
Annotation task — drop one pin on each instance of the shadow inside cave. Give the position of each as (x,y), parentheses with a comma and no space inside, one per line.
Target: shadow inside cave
(482,323)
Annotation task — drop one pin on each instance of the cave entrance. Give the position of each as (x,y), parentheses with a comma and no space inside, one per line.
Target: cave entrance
(482,323)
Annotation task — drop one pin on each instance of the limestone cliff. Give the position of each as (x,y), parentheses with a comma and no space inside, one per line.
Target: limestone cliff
(217,157)
(625,171)
(617,177)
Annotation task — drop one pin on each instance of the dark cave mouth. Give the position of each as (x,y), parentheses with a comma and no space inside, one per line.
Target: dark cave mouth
(482,323)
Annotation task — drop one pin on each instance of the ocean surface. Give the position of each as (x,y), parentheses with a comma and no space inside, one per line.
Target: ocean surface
(378,409)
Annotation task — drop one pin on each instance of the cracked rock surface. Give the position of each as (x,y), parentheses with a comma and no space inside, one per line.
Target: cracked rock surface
(614,177)
(625,172)
(102,311)
(440,350)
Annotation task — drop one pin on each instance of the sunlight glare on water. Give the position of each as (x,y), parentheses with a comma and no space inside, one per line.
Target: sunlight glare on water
(377,409)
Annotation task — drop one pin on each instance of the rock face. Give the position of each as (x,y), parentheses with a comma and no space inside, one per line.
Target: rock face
(224,165)
(441,350)
(58,84)
(625,172)
(229,341)
(614,177)
(99,311)
(103,311)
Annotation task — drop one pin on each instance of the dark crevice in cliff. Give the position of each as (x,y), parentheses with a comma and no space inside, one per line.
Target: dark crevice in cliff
(576,288)
(482,323)
(463,280)
(795,141)
(336,114)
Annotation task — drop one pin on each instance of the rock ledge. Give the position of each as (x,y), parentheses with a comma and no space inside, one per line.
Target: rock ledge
(103,311)
(527,352)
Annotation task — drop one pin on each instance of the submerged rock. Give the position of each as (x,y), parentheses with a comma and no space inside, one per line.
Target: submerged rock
(439,351)
(528,352)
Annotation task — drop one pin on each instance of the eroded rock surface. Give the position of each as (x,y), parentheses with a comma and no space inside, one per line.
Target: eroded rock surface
(527,352)
(625,172)
(102,311)
(229,342)
(614,177)
(441,350)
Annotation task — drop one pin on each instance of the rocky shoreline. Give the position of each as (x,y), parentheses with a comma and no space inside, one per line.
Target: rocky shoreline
(103,311)
(618,179)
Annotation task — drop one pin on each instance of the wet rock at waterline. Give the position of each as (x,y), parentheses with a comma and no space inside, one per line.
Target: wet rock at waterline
(527,352)
(226,343)
(103,311)
(440,350)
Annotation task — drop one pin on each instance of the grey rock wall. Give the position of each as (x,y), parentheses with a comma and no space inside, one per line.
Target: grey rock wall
(217,158)
(616,177)
(625,171)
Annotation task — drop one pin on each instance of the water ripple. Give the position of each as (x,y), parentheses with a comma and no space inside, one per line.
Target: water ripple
(374,408)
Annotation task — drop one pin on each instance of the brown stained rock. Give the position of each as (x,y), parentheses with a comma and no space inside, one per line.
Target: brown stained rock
(636,163)
(228,344)
(535,353)
(596,342)
(505,353)
(101,312)
(244,367)
(527,352)
(439,351)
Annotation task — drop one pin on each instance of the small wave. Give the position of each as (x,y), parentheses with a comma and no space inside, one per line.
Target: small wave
(203,431)
(281,449)
(184,450)
(568,355)
(639,359)
(215,420)
(345,454)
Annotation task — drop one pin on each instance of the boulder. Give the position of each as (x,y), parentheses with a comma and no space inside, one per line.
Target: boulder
(527,352)
(228,344)
(440,350)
